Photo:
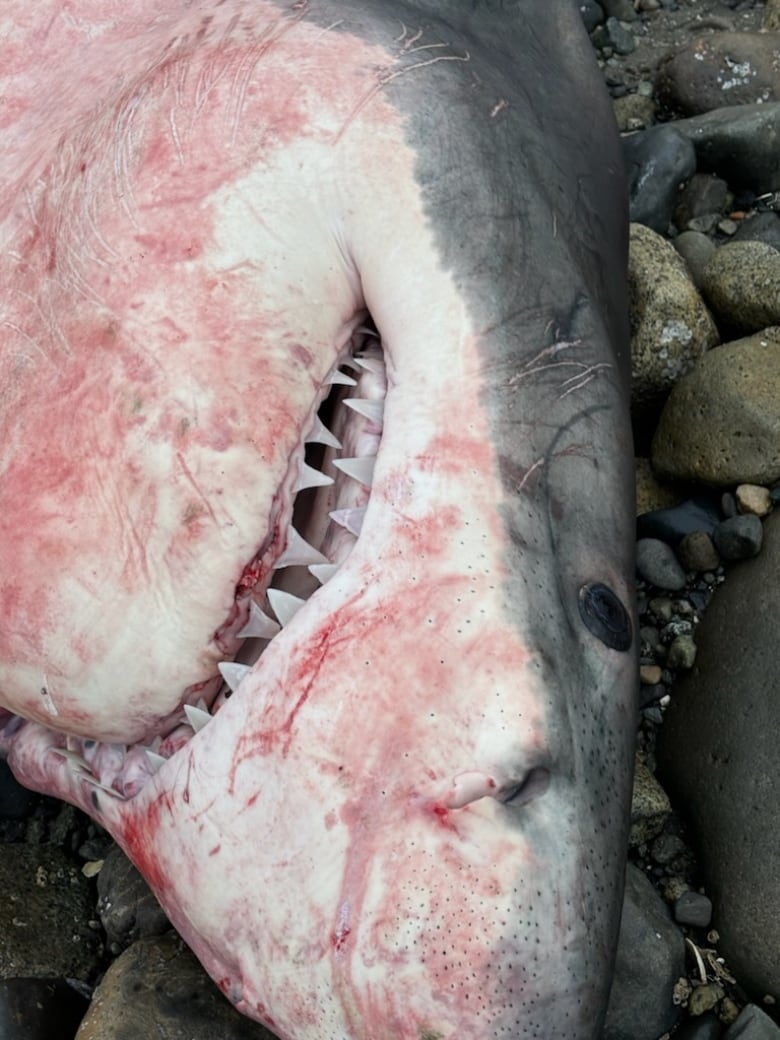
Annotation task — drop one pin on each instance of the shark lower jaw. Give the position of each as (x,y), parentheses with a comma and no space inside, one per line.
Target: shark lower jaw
(315,520)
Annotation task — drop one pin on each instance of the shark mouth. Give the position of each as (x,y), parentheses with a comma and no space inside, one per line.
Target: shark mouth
(316,519)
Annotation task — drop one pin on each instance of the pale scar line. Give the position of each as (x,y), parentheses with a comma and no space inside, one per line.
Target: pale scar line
(199,492)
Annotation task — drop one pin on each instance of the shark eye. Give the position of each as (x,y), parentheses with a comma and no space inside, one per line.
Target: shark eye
(605,616)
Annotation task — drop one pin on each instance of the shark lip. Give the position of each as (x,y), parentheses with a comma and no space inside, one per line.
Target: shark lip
(318,516)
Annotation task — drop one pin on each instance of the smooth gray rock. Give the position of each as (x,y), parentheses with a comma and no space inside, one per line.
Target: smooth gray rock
(739,537)
(650,959)
(657,564)
(741,143)
(760,227)
(753,1024)
(128,909)
(718,754)
(657,161)
(723,68)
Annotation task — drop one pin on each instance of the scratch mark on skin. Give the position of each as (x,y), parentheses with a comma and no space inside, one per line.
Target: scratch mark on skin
(539,363)
(579,381)
(49,322)
(196,487)
(539,464)
(124,138)
(48,699)
(498,107)
(387,75)
(175,135)
(28,339)
(243,74)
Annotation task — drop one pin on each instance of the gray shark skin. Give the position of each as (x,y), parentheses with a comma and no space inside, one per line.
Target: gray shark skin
(317,499)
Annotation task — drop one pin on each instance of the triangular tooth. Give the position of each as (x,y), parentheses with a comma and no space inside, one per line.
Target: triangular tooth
(324,571)
(298,552)
(361,469)
(375,365)
(259,625)
(338,378)
(74,759)
(196,717)
(320,434)
(90,779)
(373,410)
(367,331)
(308,477)
(350,519)
(284,605)
(233,673)
(155,760)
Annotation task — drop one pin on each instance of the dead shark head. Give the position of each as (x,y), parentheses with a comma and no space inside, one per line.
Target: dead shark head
(317,505)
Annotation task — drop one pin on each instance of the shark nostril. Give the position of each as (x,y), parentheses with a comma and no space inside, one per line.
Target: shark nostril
(472,785)
(531,786)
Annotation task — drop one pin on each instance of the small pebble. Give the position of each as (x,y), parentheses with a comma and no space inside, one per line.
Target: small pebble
(662,607)
(650,674)
(739,537)
(696,552)
(693,908)
(752,498)
(704,998)
(657,564)
(667,848)
(682,653)
(649,695)
(728,1011)
(649,636)
(653,715)
(728,504)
